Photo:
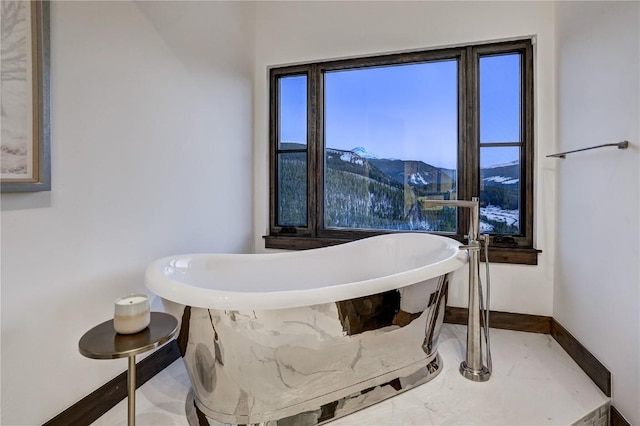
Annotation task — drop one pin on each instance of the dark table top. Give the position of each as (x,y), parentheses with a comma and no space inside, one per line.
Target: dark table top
(103,342)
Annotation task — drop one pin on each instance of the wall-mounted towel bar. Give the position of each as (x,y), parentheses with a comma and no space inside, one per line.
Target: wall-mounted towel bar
(620,145)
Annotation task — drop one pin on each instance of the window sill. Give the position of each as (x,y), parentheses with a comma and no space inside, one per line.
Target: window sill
(512,255)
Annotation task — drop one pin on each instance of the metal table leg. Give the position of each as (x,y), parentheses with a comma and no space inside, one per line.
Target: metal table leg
(131,391)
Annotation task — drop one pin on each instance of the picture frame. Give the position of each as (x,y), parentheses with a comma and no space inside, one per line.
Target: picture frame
(25,160)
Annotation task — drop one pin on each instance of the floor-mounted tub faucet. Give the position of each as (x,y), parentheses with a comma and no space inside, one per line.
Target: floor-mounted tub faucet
(472,368)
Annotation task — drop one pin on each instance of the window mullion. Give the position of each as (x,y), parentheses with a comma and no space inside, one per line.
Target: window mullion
(316,135)
(499,144)
(469,162)
(274,95)
(474,135)
(528,138)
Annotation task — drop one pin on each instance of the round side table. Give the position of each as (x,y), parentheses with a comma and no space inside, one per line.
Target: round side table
(103,342)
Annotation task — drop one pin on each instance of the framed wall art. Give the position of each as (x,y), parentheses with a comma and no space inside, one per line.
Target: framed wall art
(25,163)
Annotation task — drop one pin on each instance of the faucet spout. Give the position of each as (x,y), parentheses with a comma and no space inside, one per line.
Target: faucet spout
(474,216)
(472,368)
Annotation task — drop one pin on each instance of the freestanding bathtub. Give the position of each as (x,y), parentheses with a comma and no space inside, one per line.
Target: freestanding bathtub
(301,338)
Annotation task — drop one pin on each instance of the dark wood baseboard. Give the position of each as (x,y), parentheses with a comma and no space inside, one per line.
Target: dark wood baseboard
(94,405)
(616,419)
(503,320)
(589,363)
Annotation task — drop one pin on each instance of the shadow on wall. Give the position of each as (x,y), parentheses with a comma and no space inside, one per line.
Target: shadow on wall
(25,201)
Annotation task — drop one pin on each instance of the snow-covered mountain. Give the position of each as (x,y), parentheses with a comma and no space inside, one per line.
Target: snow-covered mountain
(423,178)
(362,152)
(501,174)
(366,191)
(351,157)
(504,180)
(511,163)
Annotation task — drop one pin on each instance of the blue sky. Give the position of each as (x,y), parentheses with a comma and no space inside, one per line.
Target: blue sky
(409,112)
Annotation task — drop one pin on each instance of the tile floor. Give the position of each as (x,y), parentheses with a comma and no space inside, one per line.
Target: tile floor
(534,382)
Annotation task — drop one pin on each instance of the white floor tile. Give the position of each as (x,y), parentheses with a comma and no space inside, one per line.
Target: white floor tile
(534,382)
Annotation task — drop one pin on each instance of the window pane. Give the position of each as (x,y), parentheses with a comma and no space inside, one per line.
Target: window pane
(500,190)
(292,189)
(391,141)
(292,166)
(292,107)
(500,98)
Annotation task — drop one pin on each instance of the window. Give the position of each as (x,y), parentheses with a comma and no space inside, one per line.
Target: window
(357,146)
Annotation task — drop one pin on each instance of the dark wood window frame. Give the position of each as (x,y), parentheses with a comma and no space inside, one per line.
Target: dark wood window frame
(511,249)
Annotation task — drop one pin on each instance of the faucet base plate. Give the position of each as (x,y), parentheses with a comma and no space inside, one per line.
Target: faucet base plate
(481,375)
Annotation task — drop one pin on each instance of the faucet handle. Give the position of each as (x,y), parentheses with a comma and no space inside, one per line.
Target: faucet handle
(473,246)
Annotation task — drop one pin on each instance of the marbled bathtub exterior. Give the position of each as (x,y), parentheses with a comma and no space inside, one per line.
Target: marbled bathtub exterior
(311,364)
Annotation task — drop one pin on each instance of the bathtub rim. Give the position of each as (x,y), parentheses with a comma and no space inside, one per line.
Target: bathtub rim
(182,293)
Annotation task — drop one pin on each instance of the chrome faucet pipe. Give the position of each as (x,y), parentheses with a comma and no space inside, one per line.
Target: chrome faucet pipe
(472,368)
(473,205)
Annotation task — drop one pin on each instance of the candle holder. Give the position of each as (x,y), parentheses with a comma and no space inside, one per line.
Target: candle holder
(131,313)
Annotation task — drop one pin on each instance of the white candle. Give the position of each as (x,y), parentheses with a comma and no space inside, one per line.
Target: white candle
(131,313)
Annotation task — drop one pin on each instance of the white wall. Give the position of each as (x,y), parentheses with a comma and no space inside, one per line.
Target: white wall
(151,155)
(596,295)
(291,32)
